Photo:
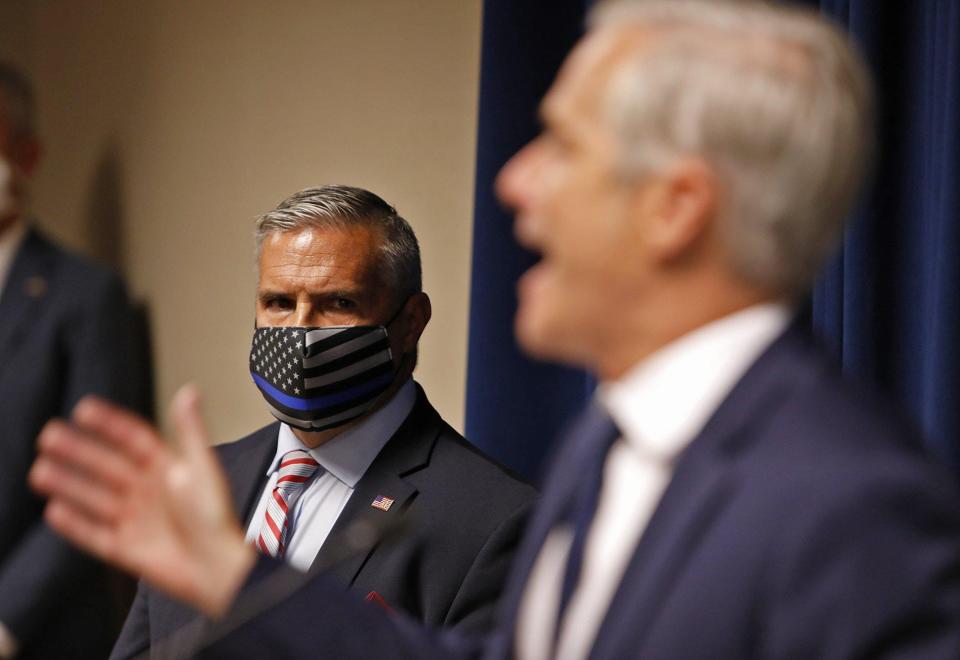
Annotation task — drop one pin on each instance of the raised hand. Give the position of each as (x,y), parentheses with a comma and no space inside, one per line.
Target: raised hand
(118,491)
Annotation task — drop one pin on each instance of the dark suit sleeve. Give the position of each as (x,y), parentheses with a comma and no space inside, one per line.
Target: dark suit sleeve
(321,615)
(878,576)
(135,636)
(475,603)
(99,344)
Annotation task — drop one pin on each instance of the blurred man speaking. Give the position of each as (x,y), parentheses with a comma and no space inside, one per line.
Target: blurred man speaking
(728,494)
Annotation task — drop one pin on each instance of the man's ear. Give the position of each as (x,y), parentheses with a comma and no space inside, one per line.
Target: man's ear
(416,314)
(680,209)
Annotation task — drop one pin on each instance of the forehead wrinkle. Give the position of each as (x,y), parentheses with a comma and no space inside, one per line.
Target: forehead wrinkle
(344,262)
(314,276)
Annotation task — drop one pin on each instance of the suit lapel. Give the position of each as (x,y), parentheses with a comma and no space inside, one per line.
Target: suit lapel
(405,453)
(702,484)
(25,291)
(564,477)
(247,471)
(694,498)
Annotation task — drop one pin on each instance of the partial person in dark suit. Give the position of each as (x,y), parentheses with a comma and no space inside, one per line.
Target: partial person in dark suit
(728,494)
(66,330)
(339,314)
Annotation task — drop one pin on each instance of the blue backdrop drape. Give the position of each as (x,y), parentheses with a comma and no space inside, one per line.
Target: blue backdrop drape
(515,406)
(887,304)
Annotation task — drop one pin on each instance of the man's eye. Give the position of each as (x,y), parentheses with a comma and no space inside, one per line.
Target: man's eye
(278,303)
(345,303)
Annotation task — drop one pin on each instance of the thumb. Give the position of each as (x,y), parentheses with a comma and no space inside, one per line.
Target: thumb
(187,417)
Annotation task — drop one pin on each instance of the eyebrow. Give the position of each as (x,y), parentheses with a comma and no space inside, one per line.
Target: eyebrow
(264,294)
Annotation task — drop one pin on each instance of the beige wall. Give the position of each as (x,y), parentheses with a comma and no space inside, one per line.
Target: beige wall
(171,125)
(16,28)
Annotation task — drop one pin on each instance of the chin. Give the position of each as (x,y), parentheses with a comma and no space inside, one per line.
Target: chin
(544,339)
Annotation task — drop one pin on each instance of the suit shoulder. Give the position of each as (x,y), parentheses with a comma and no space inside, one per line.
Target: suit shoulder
(230,451)
(463,468)
(848,419)
(74,283)
(838,437)
(77,276)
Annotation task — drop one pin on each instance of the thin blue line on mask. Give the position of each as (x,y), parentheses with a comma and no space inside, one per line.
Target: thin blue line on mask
(322,401)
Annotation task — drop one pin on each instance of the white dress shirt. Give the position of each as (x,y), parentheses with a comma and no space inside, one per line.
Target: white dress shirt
(10,241)
(343,461)
(659,406)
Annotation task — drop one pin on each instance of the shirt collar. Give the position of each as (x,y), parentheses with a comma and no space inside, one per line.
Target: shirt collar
(349,454)
(663,402)
(10,241)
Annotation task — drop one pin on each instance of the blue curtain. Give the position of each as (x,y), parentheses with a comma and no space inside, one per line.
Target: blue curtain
(888,304)
(515,406)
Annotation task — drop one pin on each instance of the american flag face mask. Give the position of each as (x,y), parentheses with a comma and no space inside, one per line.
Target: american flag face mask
(320,378)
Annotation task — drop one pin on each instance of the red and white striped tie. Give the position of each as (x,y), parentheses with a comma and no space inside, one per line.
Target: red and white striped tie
(296,468)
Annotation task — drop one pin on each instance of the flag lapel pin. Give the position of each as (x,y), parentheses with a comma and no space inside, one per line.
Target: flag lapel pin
(36,286)
(382,502)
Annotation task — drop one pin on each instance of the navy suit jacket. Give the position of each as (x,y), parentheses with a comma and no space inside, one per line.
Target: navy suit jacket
(66,330)
(466,515)
(802,522)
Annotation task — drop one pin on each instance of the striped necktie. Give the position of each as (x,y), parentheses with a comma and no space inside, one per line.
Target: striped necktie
(296,469)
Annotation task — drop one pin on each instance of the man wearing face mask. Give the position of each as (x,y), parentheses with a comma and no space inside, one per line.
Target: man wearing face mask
(66,330)
(339,313)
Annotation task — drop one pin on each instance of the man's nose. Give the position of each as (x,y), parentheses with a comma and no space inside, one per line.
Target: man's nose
(514,181)
(304,315)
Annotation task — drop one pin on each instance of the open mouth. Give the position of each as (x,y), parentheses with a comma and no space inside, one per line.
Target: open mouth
(533,280)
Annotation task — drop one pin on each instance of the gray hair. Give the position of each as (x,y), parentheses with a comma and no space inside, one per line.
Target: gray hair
(775,99)
(17,104)
(344,207)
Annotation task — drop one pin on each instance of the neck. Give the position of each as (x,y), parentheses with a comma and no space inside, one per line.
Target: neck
(650,327)
(313,439)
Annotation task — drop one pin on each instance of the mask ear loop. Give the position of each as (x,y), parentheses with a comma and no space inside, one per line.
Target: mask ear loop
(397,313)
(393,318)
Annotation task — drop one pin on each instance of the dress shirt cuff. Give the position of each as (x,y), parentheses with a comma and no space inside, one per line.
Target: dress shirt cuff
(8,643)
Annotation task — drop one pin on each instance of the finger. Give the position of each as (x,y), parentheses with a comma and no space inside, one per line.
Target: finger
(80,451)
(64,484)
(199,467)
(86,533)
(187,417)
(126,431)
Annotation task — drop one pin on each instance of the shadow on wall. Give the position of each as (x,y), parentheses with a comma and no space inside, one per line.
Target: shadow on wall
(104,225)
(103,220)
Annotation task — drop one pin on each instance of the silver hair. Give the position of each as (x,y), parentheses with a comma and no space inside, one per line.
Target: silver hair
(344,207)
(17,103)
(777,101)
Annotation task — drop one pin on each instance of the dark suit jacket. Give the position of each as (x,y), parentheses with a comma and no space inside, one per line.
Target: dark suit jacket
(801,523)
(449,567)
(66,330)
